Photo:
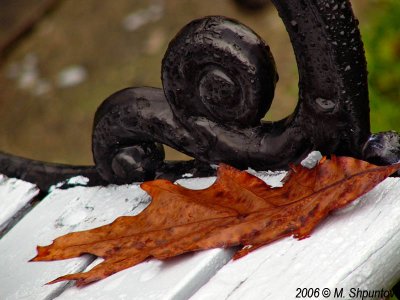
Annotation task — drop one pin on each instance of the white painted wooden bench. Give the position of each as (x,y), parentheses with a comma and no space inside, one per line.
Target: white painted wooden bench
(357,247)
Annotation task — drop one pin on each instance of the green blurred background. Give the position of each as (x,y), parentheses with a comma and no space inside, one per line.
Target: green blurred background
(55,75)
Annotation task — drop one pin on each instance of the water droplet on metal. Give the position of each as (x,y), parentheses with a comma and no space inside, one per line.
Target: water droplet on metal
(294,25)
(326,105)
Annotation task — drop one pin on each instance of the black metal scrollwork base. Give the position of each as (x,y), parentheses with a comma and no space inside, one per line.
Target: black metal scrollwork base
(218,82)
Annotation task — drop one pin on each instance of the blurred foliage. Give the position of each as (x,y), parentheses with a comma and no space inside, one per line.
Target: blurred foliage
(381,36)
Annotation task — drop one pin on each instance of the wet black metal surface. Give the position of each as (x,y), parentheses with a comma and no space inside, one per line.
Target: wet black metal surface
(218,82)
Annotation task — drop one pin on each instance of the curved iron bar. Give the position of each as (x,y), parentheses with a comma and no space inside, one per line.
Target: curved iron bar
(218,82)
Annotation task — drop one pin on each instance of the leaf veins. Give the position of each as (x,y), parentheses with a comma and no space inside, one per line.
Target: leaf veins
(238,209)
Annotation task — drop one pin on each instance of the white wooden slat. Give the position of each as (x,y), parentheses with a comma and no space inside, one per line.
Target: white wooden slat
(326,257)
(15,195)
(356,247)
(83,208)
(177,278)
(61,212)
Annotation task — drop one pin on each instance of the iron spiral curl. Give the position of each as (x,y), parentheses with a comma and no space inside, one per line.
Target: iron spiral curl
(218,80)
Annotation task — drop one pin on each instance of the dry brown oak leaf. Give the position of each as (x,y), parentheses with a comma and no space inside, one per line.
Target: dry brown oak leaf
(238,209)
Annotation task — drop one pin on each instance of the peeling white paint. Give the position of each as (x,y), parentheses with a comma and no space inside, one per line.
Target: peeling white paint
(355,247)
(61,212)
(358,248)
(14,195)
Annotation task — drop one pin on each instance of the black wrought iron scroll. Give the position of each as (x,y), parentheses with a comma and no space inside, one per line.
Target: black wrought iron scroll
(218,82)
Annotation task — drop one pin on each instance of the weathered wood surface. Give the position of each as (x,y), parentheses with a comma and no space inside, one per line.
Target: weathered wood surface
(15,196)
(60,212)
(176,278)
(82,208)
(356,247)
